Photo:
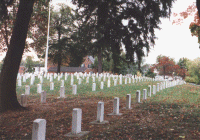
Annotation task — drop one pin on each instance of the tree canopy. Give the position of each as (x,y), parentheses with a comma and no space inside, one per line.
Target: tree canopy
(142,18)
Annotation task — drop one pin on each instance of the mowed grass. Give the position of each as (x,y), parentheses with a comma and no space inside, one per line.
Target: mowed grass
(184,94)
(85,89)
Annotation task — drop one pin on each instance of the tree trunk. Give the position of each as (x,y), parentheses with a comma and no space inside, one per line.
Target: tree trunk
(8,97)
(100,60)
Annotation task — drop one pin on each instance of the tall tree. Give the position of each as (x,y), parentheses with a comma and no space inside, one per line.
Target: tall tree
(165,65)
(37,26)
(65,47)
(29,64)
(8,97)
(142,17)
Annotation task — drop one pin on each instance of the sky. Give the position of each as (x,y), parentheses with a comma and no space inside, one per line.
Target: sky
(174,41)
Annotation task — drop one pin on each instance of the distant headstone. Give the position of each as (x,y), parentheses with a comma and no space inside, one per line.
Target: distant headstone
(108,83)
(24,78)
(129,80)
(62,92)
(51,86)
(93,79)
(157,87)
(87,80)
(154,89)
(51,78)
(125,81)
(94,87)
(149,90)
(39,88)
(79,81)
(27,90)
(62,83)
(43,96)
(19,82)
(72,80)
(74,91)
(102,84)
(58,77)
(115,82)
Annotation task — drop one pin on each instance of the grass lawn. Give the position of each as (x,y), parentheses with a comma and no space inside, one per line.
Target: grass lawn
(172,113)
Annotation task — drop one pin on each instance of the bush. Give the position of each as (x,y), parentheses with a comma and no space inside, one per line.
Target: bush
(191,79)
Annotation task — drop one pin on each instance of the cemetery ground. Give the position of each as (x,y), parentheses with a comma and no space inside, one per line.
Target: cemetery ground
(172,113)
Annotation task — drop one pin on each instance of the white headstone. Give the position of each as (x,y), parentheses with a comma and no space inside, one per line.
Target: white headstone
(108,83)
(129,80)
(24,78)
(62,83)
(128,101)
(48,76)
(102,84)
(76,120)
(149,90)
(79,81)
(144,94)
(27,90)
(19,82)
(74,91)
(41,79)
(32,80)
(43,96)
(161,85)
(87,80)
(51,86)
(157,87)
(94,87)
(66,76)
(72,79)
(125,81)
(120,80)
(115,82)
(58,77)
(93,79)
(100,112)
(23,100)
(116,106)
(51,78)
(39,129)
(138,96)
(154,89)
(39,88)
(62,92)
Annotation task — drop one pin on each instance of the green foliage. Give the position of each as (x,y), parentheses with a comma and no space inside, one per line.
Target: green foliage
(29,64)
(183,62)
(150,73)
(64,49)
(194,70)
(191,79)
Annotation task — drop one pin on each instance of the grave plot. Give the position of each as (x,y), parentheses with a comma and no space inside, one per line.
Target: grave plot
(58,111)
